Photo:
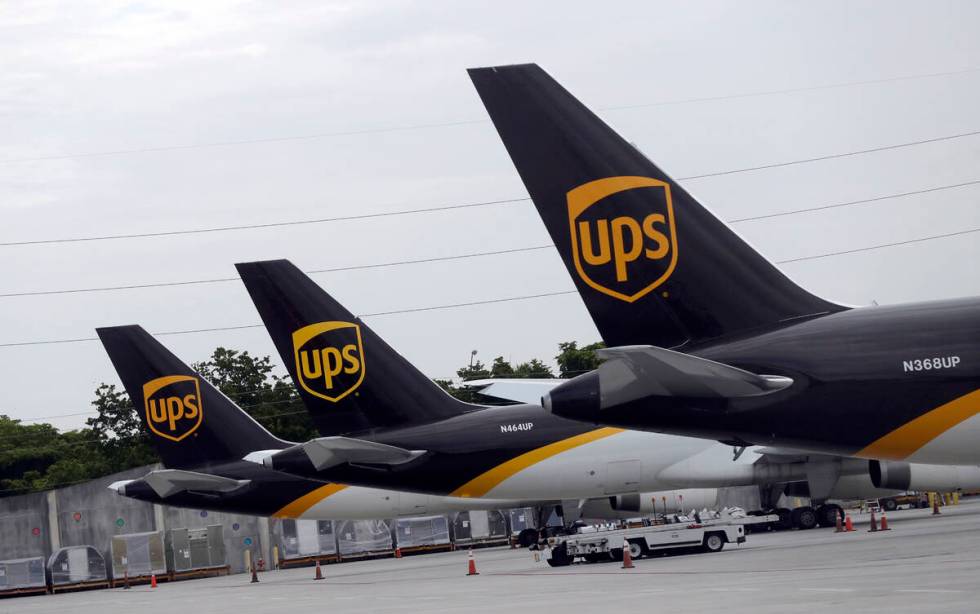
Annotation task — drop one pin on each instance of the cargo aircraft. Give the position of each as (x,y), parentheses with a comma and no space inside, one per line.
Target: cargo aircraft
(203,439)
(387,425)
(707,338)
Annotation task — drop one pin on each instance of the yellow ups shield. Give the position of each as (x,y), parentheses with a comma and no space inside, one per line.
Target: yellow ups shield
(173,406)
(329,359)
(624,243)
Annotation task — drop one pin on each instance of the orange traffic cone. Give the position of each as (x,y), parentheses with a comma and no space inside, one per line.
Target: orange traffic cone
(840,527)
(472,565)
(319,572)
(398,552)
(255,575)
(884,522)
(126,579)
(627,557)
(153,580)
(874,524)
(935,505)
(848,525)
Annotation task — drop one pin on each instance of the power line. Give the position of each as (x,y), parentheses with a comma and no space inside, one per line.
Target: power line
(491,301)
(247,326)
(856,152)
(865,249)
(214,229)
(359,267)
(791,90)
(464,122)
(325,220)
(470,255)
(853,202)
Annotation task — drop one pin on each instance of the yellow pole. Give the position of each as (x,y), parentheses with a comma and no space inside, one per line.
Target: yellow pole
(275,556)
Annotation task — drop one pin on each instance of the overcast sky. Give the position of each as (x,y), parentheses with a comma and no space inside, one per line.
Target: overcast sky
(95,77)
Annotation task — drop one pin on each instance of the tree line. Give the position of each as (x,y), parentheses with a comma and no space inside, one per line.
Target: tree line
(35,457)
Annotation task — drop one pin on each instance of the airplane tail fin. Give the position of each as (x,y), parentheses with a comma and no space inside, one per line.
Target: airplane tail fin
(348,377)
(651,263)
(189,421)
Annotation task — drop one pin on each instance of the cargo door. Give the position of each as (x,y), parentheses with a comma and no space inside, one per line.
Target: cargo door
(623,476)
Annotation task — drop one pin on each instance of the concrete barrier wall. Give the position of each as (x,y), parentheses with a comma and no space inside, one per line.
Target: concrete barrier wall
(90,514)
(24,529)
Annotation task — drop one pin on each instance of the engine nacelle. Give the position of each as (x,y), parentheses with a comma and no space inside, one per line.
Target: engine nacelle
(917,476)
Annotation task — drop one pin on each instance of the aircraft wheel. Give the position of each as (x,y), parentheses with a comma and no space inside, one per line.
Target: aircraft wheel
(828,514)
(785,521)
(559,556)
(527,538)
(804,518)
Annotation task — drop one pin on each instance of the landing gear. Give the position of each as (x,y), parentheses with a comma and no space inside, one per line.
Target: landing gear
(527,538)
(559,556)
(803,518)
(785,521)
(828,514)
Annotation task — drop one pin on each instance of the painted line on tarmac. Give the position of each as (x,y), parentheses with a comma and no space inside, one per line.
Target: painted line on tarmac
(828,590)
(929,590)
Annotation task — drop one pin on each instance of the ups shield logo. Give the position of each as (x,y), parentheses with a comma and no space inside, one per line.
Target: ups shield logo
(329,359)
(173,406)
(623,239)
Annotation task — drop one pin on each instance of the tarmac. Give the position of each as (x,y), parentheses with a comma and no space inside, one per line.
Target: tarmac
(923,563)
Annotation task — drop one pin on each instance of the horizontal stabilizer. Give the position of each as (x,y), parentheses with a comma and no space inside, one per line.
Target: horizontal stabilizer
(327,452)
(169,482)
(637,371)
(513,389)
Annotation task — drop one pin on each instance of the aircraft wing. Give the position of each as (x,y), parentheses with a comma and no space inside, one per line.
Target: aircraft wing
(514,389)
(168,482)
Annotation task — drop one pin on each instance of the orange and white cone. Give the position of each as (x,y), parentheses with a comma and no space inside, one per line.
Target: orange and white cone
(848,524)
(153,580)
(874,523)
(840,525)
(319,572)
(472,565)
(398,552)
(627,557)
(884,522)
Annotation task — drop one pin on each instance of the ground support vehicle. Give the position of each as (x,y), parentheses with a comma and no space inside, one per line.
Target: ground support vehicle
(607,545)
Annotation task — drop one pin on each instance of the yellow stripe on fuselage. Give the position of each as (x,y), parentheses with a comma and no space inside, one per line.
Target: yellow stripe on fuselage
(297,507)
(483,483)
(903,441)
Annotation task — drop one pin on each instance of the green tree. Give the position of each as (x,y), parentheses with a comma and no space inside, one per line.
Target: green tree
(501,368)
(533,368)
(475,370)
(270,399)
(573,360)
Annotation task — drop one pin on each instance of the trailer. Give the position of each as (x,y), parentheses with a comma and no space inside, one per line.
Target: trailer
(608,545)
